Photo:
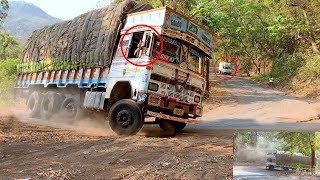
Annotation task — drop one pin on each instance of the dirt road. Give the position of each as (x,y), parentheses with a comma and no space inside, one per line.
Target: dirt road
(260,108)
(90,151)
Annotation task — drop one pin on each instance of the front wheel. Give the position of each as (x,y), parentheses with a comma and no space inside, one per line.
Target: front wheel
(125,117)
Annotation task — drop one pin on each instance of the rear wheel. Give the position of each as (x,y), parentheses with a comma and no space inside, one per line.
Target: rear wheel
(71,109)
(125,117)
(271,167)
(34,104)
(170,127)
(50,104)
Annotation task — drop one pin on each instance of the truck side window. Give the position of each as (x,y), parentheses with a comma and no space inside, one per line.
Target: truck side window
(136,45)
(147,44)
(194,60)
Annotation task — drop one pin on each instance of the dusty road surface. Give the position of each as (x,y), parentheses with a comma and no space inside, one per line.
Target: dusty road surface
(255,107)
(260,172)
(90,151)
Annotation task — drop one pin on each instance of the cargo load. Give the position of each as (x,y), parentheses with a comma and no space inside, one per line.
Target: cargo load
(88,40)
(286,161)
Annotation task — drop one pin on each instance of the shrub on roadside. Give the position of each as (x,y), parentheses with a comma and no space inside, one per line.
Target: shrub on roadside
(283,70)
(7,81)
(310,69)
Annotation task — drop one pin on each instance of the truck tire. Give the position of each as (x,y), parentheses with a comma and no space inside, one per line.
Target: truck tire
(125,117)
(71,109)
(33,104)
(271,167)
(170,127)
(286,169)
(50,104)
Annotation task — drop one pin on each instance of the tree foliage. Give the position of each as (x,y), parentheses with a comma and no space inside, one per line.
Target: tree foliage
(8,75)
(8,42)
(306,143)
(257,33)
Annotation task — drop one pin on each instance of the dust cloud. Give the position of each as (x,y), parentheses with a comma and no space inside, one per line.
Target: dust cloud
(94,124)
(256,154)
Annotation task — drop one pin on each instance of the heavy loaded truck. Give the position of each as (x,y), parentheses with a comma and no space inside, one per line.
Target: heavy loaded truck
(79,66)
(285,161)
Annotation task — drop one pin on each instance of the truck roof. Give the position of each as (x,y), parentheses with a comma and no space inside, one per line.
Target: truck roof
(169,22)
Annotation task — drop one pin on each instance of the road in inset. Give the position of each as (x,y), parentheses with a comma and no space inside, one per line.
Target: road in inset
(260,108)
(260,172)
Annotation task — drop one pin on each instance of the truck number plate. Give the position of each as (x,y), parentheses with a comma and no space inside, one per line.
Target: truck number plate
(178,112)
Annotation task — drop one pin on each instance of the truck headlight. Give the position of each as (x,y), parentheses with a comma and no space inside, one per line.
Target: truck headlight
(196,99)
(153,86)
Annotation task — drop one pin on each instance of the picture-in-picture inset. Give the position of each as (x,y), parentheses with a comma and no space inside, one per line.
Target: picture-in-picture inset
(276,155)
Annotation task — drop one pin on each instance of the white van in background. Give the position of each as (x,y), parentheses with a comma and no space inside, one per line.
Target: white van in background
(226,68)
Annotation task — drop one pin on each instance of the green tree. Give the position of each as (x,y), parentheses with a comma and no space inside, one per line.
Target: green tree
(8,70)
(6,41)
(182,6)
(301,142)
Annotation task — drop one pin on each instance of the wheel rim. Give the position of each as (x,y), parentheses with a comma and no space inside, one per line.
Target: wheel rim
(124,118)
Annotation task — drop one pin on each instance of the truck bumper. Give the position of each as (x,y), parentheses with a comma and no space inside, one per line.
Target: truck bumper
(173,118)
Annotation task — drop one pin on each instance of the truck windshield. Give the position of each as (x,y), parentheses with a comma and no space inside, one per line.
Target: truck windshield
(194,60)
(171,49)
(179,52)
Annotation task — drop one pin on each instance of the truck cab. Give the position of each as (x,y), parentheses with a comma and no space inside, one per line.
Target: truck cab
(172,88)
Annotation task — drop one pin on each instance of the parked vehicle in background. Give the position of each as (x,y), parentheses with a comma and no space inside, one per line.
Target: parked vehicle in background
(226,68)
(77,66)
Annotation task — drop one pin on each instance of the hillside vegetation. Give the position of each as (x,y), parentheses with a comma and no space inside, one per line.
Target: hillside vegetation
(23,18)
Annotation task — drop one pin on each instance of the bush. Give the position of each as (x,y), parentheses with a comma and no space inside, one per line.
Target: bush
(310,69)
(7,81)
(283,70)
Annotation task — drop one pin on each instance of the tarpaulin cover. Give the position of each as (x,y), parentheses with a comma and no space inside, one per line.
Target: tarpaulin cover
(89,38)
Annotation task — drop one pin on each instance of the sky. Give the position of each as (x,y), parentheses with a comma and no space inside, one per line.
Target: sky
(68,9)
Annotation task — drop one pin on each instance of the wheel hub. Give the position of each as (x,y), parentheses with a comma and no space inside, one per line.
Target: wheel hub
(124,118)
